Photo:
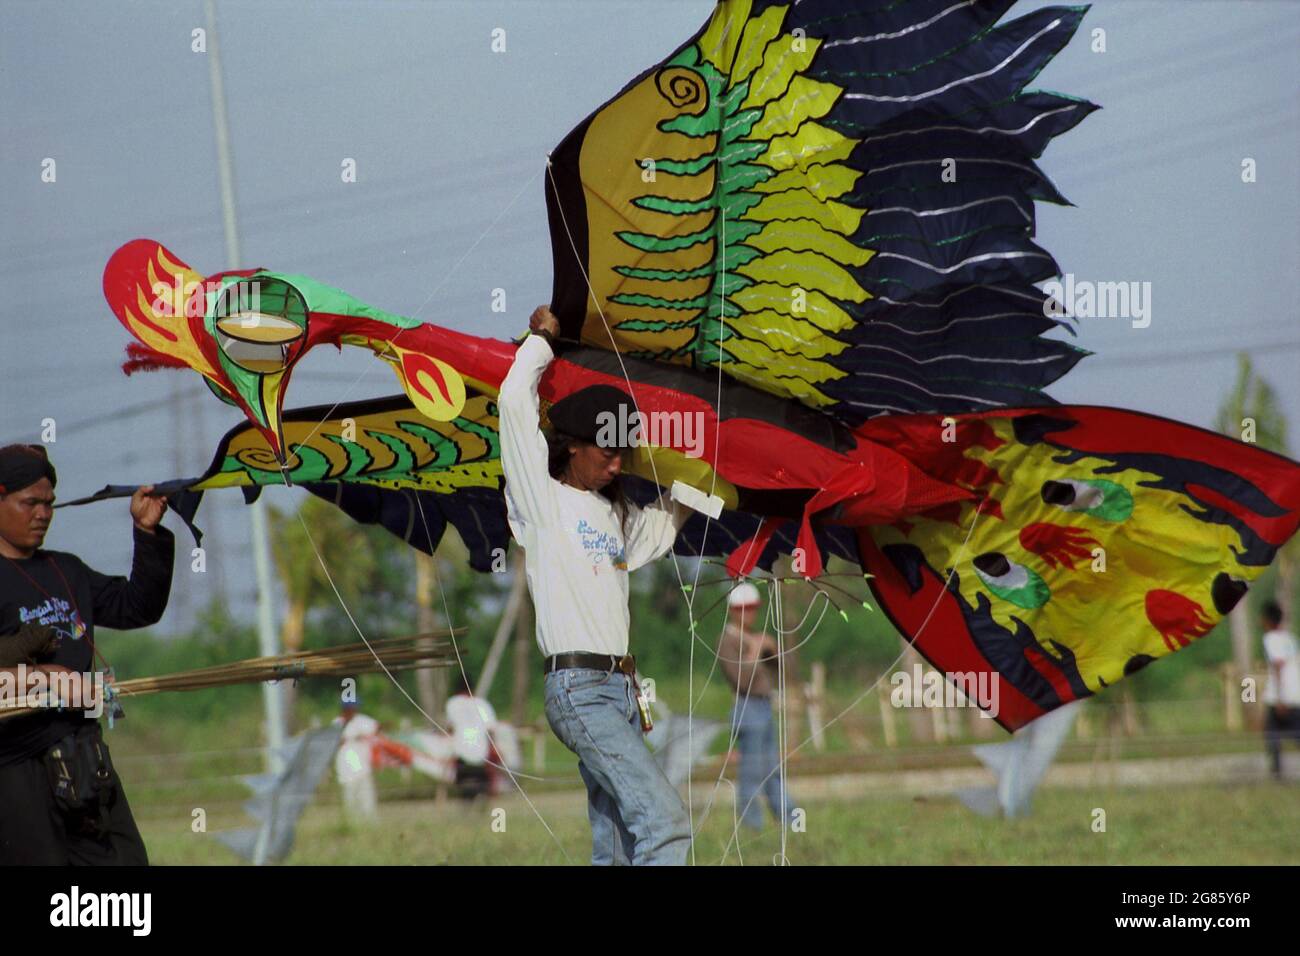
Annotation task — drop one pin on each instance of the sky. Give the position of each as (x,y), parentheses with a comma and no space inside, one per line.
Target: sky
(449,139)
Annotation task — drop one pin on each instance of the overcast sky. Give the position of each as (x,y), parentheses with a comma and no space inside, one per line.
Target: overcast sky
(449,139)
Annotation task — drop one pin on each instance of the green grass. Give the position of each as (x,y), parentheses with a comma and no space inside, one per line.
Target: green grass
(1238,825)
(180,752)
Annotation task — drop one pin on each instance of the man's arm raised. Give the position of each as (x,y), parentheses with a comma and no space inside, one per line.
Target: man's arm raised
(524,453)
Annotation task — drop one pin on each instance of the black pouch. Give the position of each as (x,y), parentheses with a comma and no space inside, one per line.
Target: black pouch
(80,772)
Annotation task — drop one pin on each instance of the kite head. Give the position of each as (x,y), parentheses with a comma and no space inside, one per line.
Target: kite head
(243,331)
(259,324)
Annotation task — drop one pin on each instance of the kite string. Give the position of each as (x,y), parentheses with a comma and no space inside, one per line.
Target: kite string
(774,619)
(782,654)
(446,610)
(952,571)
(346,610)
(681,582)
(717,653)
(736,718)
(689,601)
(704,537)
(429,298)
(783,727)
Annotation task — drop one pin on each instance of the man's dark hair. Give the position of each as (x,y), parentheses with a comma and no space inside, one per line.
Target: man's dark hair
(1272,613)
(23,465)
(557,459)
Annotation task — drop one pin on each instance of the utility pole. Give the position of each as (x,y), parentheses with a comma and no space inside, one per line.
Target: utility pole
(268,639)
(523,658)
(431,686)
(177,403)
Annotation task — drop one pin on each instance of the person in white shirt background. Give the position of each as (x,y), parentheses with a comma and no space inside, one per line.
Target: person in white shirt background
(482,747)
(471,720)
(1282,691)
(581,537)
(353,764)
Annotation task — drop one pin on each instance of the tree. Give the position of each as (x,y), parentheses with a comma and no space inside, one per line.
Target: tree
(1251,414)
(317,532)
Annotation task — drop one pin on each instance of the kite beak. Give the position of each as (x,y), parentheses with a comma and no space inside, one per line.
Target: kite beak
(271,388)
(262,343)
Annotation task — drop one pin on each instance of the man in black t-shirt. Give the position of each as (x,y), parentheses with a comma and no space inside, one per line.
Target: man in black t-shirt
(41,821)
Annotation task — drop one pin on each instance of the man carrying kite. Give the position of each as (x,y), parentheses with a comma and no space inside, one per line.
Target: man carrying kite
(581,538)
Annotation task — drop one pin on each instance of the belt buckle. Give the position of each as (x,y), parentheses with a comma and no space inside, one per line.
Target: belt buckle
(626,664)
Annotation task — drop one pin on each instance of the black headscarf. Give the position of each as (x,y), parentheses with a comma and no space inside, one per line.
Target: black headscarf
(24,465)
(581,414)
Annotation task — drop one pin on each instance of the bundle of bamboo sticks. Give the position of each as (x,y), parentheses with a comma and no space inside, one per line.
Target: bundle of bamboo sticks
(433,649)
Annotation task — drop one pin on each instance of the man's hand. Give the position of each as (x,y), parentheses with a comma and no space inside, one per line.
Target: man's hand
(147,508)
(28,643)
(544,320)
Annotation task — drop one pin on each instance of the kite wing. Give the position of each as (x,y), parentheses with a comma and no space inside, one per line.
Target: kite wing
(833,206)
(244,331)
(383,462)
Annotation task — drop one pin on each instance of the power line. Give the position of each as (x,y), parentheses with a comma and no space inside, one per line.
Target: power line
(1226,351)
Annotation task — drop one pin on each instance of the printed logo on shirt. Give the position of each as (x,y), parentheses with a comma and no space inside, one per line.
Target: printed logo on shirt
(56,613)
(601,546)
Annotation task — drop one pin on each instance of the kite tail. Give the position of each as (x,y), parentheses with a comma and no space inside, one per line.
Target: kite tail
(1104,540)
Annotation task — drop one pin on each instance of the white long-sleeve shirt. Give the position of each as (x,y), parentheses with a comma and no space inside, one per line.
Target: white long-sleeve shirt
(576,557)
(1283,686)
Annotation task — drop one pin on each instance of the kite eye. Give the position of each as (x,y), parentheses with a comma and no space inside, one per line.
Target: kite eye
(993,565)
(257,320)
(1072,495)
(1058,493)
(1010,581)
(1099,498)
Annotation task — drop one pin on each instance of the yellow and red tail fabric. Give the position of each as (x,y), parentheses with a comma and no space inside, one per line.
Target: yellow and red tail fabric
(1102,539)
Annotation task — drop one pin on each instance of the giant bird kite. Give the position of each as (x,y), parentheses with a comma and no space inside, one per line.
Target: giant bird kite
(812,225)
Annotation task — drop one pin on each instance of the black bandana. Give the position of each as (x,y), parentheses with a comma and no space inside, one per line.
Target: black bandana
(23,465)
(584,412)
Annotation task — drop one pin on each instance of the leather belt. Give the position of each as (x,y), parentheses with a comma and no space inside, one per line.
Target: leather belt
(600,662)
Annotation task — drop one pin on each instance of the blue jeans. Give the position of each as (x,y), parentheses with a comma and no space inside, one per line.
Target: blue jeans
(751,723)
(636,815)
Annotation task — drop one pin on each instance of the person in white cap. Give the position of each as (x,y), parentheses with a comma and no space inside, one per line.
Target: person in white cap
(1282,692)
(749,661)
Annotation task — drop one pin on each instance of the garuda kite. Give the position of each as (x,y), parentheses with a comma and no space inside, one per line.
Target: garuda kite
(811,226)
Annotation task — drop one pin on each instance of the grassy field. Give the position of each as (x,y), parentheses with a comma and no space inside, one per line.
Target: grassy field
(1238,825)
(175,763)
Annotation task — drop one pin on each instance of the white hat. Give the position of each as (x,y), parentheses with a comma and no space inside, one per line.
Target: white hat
(743,595)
